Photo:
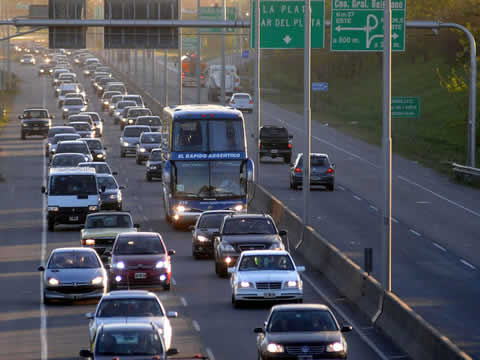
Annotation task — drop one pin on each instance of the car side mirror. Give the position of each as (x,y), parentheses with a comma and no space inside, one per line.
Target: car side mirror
(103,188)
(231,270)
(107,253)
(20,117)
(191,228)
(41,268)
(89,316)
(85,354)
(114,173)
(171,252)
(258,331)
(172,351)
(43,189)
(136,226)
(172,314)
(105,148)
(283,233)
(122,187)
(300,268)
(290,137)
(346,328)
(333,165)
(108,266)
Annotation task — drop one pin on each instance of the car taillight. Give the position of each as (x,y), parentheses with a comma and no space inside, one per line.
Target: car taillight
(298,170)
(289,145)
(232,102)
(202,77)
(330,170)
(251,102)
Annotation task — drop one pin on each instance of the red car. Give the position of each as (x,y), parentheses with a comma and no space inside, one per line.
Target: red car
(140,260)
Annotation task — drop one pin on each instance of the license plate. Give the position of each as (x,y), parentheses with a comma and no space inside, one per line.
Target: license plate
(274,151)
(140,275)
(269,295)
(304,357)
(73,218)
(315,177)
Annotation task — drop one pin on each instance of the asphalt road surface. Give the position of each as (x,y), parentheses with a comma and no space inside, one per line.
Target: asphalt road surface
(207,321)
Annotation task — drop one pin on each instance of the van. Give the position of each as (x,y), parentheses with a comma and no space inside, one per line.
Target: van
(72,193)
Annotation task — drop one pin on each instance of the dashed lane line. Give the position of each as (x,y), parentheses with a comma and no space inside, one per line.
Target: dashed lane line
(357,197)
(183,301)
(466,263)
(196,325)
(439,246)
(416,233)
(210,354)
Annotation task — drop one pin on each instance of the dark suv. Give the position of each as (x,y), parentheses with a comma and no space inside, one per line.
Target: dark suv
(35,121)
(275,142)
(240,232)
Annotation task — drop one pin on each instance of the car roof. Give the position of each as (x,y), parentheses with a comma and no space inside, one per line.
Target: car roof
(67,154)
(105,175)
(94,163)
(137,126)
(65,134)
(69,142)
(61,127)
(127,294)
(137,107)
(75,248)
(264,252)
(72,171)
(140,234)
(300,307)
(148,116)
(248,216)
(315,154)
(34,108)
(79,122)
(241,94)
(209,212)
(102,213)
(129,326)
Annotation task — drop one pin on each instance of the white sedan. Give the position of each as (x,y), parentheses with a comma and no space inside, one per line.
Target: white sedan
(266,275)
(137,306)
(241,101)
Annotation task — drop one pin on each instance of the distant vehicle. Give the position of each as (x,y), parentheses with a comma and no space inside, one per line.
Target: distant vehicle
(148,141)
(44,69)
(73,274)
(35,121)
(130,138)
(67,89)
(119,107)
(146,248)
(54,131)
(110,192)
(132,114)
(106,98)
(74,146)
(97,122)
(144,340)
(153,121)
(137,98)
(266,275)
(207,224)
(102,228)
(97,149)
(27,60)
(142,307)
(322,171)
(62,137)
(275,142)
(189,70)
(83,128)
(153,168)
(241,101)
(73,106)
(240,232)
(116,86)
(66,160)
(113,103)
(312,325)
(100,167)
(214,81)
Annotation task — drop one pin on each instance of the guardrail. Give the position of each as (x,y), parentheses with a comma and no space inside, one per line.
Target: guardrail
(462,171)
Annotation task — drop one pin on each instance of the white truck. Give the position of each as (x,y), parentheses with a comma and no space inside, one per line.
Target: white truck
(214,81)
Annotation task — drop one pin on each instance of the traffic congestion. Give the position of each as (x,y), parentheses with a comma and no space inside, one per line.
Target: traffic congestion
(196,158)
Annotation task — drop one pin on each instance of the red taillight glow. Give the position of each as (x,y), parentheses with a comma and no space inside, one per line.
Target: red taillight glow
(251,102)
(298,170)
(330,170)
(233,101)
(202,77)
(289,146)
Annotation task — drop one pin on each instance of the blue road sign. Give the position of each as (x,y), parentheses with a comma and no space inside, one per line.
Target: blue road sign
(319,86)
(245,54)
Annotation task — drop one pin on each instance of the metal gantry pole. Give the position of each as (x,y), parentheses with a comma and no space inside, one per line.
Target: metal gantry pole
(257,82)
(199,46)
(307,114)
(180,69)
(9,61)
(144,68)
(222,91)
(165,79)
(153,72)
(135,59)
(386,218)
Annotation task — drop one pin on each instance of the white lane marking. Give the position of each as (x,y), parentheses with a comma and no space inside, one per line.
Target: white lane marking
(126,180)
(196,325)
(394,220)
(373,208)
(183,301)
(415,232)
(344,316)
(466,263)
(439,246)
(210,354)
(140,207)
(135,197)
(173,281)
(440,196)
(423,202)
(43,254)
(357,197)
(341,187)
(145,218)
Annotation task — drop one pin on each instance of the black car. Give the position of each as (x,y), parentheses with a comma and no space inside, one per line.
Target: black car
(301,331)
(35,121)
(202,232)
(110,192)
(154,165)
(97,149)
(54,131)
(148,141)
(153,121)
(240,232)
(322,171)
(275,142)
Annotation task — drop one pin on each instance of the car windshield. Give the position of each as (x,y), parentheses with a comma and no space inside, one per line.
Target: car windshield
(68,91)
(137,99)
(109,221)
(65,137)
(120,88)
(116,98)
(94,144)
(129,343)
(79,118)
(55,131)
(95,117)
(262,226)
(301,321)
(73,185)
(274,132)
(73,260)
(99,168)
(266,262)
(123,104)
(145,245)
(151,138)
(129,307)
(110,94)
(74,102)
(107,181)
(81,148)
(211,221)
(35,114)
(138,112)
(67,160)
(156,156)
(154,121)
(82,127)
(134,132)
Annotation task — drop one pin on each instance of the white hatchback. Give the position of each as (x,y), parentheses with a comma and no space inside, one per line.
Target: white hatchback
(266,275)
(241,101)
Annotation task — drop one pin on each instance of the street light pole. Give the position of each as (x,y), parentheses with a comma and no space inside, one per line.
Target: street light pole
(307,113)
(257,82)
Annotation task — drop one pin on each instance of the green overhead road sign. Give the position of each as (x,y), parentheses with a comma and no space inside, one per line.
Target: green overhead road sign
(189,43)
(281,24)
(405,106)
(215,13)
(357,25)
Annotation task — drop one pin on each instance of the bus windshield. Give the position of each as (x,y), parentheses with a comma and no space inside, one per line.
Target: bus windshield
(212,135)
(209,179)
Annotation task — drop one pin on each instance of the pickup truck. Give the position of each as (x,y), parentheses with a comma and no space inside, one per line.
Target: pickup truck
(275,142)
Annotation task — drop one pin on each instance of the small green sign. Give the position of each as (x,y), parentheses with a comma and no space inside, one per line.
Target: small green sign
(405,106)
(357,25)
(215,13)
(281,24)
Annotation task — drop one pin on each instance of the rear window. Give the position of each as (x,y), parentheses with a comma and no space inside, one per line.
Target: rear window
(242,97)
(319,161)
(274,132)
(212,221)
(73,102)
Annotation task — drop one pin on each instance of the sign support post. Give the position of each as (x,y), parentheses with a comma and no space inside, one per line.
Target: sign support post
(257,82)
(307,113)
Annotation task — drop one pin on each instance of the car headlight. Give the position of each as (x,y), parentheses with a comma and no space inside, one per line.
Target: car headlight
(226,247)
(153,167)
(292,284)
(119,265)
(86,72)
(275,348)
(100,156)
(112,196)
(83,108)
(335,347)
(53,282)
(143,149)
(90,242)
(161,265)
(53,208)
(202,238)
(181,209)
(65,110)
(238,207)
(22,61)
(245,284)
(97,281)
(105,103)
(25,125)
(92,208)
(130,121)
(125,143)
(41,70)
(277,246)
(100,88)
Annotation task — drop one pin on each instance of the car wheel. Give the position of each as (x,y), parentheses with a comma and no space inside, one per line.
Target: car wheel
(236,304)
(122,154)
(217,268)
(294,186)
(51,225)
(148,177)
(22,136)
(194,253)
(46,301)
(137,160)
(166,287)
(331,187)
(287,159)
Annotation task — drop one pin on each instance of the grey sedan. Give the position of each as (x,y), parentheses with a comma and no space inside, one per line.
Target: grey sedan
(73,274)
(322,171)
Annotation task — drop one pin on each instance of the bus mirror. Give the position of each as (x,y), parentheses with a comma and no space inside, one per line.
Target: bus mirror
(166,172)
(250,171)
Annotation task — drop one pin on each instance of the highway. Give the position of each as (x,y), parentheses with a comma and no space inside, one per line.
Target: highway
(207,322)
(435,225)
